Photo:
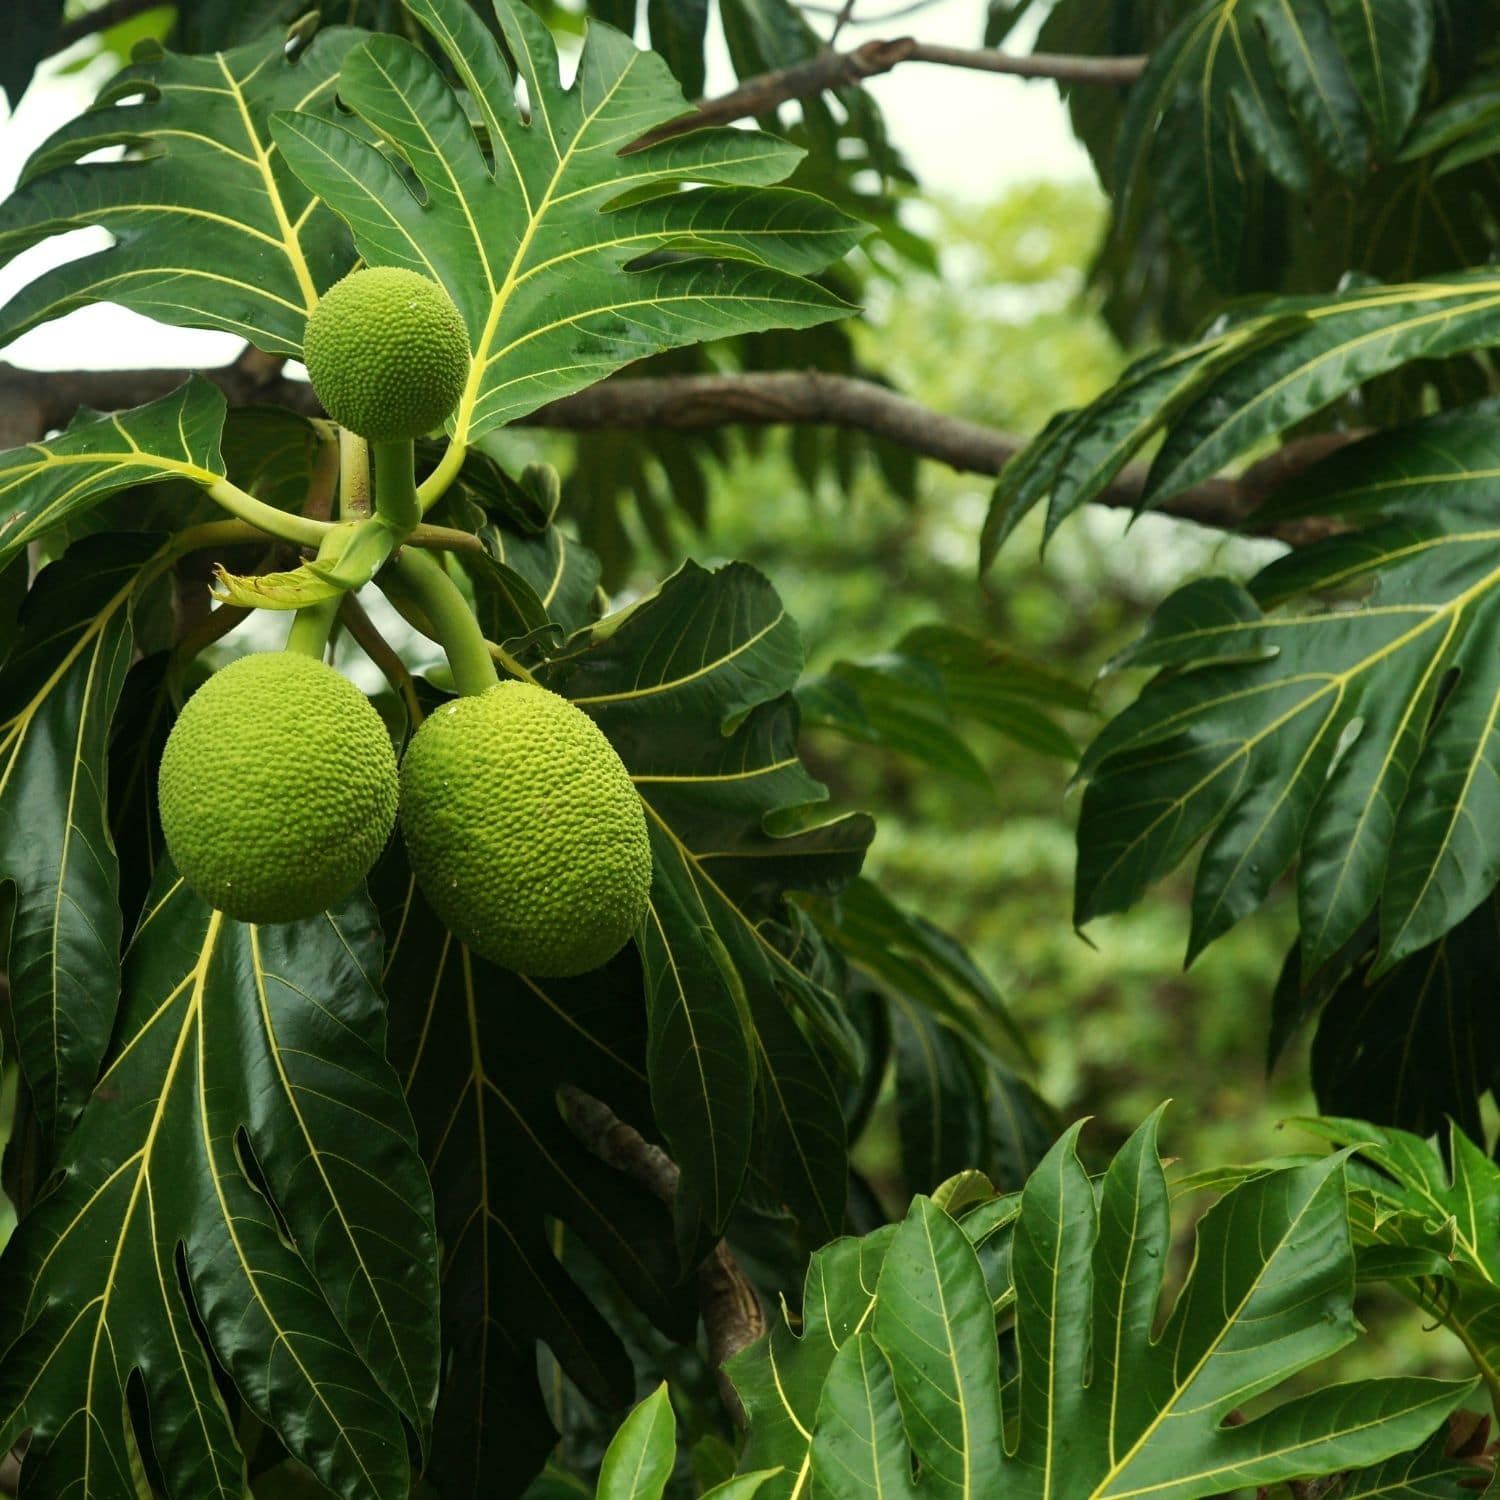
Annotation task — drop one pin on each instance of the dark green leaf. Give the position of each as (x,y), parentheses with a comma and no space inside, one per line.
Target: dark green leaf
(210,228)
(1387,47)
(245,1170)
(917,699)
(678,29)
(482,1054)
(1417,1045)
(1326,733)
(692,686)
(46,484)
(27,35)
(958,1103)
(58,691)
(1207,105)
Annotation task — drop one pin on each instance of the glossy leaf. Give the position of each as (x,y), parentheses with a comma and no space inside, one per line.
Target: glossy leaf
(692,686)
(482,1054)
(58,691)
(209,227)
(1415,1046)
(1408,1194)
(30,35)
(1427,1474)
(48,484)
(1213,401)
(1386,48)
(244,1172)
(1355,740)
(639,1459)
(901,1347)
(535,248)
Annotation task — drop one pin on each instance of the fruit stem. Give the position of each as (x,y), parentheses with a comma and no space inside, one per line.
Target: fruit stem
(312,623)
(450,616)
(354,476)
(396,486)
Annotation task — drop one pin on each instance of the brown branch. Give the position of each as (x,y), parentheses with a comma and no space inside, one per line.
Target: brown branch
(362,630)
(811,398)
(832,69)
(732,1315)
(33,402)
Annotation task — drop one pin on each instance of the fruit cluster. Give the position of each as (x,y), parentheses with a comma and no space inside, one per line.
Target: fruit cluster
(279,790)
(279,787)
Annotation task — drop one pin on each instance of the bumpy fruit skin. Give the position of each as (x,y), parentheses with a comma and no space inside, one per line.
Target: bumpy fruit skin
(525,831)
(278,788)
(387,353)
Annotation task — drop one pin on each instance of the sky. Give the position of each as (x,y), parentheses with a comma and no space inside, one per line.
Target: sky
(967,135)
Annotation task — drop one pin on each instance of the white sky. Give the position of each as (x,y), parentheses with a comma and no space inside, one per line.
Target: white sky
(966,134)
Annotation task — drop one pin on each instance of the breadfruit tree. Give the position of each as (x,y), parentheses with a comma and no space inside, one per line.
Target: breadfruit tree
(408,1081)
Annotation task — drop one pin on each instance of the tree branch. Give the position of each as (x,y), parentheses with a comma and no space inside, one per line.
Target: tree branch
(34,402)
(732,1315)
(811,398)
(832,69)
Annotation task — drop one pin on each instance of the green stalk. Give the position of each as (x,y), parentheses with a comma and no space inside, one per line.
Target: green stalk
(439,598)
(312,624)
(300,529)
(396,486)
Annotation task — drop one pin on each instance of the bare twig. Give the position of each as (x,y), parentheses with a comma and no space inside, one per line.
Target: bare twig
(732,1315)
(33,402)
(832,69)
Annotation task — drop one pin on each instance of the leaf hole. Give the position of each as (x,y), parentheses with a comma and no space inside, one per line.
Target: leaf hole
(250,1165)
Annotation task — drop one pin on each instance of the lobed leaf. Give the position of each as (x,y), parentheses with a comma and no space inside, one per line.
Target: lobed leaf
(1236,93)
(49,484)
(566,257)
(1438,1213)
(482,1054)
(243,1190)
(209,228)
(692,687)
(1211,402)
(900,1364)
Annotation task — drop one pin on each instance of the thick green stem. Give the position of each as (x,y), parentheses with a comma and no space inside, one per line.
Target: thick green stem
(439,598)
(311,624)
(395,485)
(300,529)
(310,629)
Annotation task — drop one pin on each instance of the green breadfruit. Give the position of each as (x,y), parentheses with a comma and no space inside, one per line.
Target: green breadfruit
(278,788)
(387,353)
(525,831)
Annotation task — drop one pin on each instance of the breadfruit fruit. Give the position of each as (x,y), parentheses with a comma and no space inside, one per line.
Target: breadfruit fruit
(278,788)
(387,353)
(525,831)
